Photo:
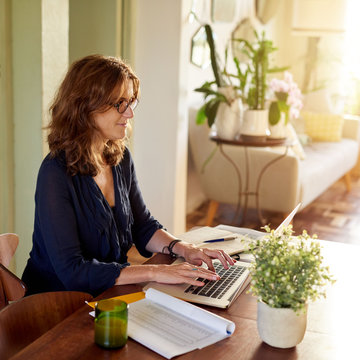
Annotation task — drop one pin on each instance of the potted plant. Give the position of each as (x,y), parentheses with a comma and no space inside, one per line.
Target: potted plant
(253,86)
(287,273)
(221,100)
(287,104)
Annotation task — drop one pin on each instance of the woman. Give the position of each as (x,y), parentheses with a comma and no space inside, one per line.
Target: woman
(88,206)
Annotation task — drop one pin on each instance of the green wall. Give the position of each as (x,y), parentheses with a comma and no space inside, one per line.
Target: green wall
(94,28)
(6,123)
(27,115)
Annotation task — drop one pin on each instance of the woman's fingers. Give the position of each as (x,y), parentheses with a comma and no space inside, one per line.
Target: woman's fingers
(198,271)
(188,273)
(206,255)
(197,256)
(221,255)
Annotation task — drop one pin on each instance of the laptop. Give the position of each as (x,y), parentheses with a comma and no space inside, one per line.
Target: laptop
(220,293)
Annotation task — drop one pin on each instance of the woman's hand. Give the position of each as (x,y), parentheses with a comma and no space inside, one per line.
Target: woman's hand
(192,254)
(168,274)
(181,273)
(197,256)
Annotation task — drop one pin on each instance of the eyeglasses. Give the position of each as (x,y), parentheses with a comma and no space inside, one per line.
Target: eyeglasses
(123,105)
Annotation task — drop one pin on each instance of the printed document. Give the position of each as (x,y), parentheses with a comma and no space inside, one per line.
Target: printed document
(172,327)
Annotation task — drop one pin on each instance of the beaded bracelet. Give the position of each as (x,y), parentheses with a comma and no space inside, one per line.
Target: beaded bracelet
(170,247)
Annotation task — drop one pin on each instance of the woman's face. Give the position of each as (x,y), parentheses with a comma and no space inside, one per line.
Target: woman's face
(111,124)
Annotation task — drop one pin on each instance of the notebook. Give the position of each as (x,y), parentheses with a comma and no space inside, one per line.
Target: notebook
(220,293)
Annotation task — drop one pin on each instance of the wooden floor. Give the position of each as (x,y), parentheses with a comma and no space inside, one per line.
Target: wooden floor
(334,216)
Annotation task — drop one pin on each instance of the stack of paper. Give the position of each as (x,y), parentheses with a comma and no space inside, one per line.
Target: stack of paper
(222,233)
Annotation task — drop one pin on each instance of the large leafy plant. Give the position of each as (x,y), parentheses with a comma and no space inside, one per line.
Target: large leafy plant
(253,78)
(212,96)
(287,271)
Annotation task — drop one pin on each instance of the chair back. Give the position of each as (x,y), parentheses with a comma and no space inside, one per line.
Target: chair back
(8,245)
(11,287)
(23,321)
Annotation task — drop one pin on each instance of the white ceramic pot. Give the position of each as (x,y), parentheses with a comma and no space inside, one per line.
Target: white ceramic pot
(255,125)
(228,118)
(281,328)
(278,131)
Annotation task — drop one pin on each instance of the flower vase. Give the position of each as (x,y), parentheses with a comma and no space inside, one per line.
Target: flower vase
(255,125)
(280,327)
(278,131)
(228,117)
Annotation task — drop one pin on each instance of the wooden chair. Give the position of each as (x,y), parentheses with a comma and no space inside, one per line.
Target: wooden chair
(23,321)
(11,287)
(8,244)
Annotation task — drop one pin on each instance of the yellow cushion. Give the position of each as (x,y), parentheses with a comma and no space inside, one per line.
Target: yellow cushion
(323,127)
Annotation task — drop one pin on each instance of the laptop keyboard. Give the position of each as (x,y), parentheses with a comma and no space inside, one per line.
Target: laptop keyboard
(217,289)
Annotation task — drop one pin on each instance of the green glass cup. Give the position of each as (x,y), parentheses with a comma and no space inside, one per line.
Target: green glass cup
(111,318)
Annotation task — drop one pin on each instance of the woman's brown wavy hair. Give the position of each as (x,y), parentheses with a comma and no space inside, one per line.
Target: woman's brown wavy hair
(92,84)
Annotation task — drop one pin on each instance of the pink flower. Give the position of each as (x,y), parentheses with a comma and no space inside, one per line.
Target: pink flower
(290,88)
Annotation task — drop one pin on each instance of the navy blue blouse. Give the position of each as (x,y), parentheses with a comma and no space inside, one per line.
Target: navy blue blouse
(79,241)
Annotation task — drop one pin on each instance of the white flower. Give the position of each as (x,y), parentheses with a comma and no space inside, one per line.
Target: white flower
(294,113)
(288,77)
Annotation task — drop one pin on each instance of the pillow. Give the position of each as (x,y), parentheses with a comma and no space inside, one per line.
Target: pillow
(323,127)
(297,147)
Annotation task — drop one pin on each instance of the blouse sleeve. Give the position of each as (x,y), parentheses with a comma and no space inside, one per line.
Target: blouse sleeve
(144,223)
(56,219)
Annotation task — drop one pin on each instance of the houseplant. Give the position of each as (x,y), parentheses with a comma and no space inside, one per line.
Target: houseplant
(287,273)
(221,100)
(253,85)
(287,104)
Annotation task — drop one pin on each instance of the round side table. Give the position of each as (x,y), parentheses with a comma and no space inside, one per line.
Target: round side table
(246,191)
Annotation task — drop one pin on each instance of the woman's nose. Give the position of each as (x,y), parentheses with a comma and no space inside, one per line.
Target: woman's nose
(128,113)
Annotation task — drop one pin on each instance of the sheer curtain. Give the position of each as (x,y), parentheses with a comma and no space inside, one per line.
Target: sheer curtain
(351,59)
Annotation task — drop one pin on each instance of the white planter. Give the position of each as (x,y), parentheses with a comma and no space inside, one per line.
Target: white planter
(255,125)
(228,118)
(281,328)
(278,131)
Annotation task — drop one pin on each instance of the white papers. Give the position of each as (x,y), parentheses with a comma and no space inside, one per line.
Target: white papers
(172,327)
(198,236)
(240,244)
(242,232)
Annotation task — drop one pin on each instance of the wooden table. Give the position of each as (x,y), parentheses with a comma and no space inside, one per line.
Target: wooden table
(332,330)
